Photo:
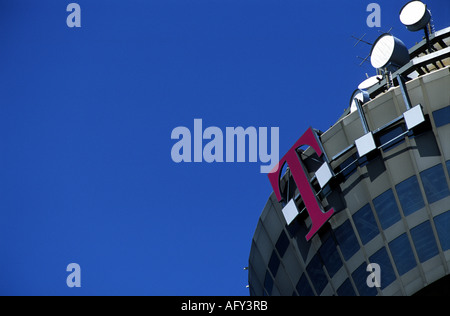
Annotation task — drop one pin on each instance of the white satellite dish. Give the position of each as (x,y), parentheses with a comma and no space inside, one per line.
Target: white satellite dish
(415,15)
(389,51)
(370,82)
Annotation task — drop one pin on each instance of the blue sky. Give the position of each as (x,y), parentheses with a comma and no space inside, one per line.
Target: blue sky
(86,117)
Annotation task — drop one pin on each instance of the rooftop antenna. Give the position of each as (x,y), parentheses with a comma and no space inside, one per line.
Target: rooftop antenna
(361,40)
(370,44)
(416,16)
(363,59)
(388,32)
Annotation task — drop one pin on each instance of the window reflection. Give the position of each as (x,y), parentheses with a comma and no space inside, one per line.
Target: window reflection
(303,288)
(434,183)
(298,231)
(346,289)
(274,263)
(348,167)
(316,273)
(386,137)
(365,223)
(282,244)
(387,209)
(442,116)
(402,253)
(360,278)
(381,258)
(346,239)
(424,241)
(410,196)
(442,223)
(268,283)
(330,256)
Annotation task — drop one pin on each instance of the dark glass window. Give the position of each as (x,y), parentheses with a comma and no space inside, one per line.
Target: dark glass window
(254,281)
(282,244)
(435,184)
(346,289)
(360,278)
(317,275)
(268,283)
(442,223)
(365,223)
(387,137)
(348,167)
(274,263)
(387,209)
(303,288)
(402,253)
(330,256)
(346,239)
(298,231)
(410,196)
(424,241)
(442,116)
(448,166)
(387,272)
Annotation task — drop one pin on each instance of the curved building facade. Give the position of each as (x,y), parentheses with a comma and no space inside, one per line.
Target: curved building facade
(387,194)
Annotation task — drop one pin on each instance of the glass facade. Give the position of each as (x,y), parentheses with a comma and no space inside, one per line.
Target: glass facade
(402,253)
(303,288)
(282,244)
(316,272)
(330,256)
(366,225)
(435,184)
(395,212)
(389,139)
(410,195)
(346,239)
(442,117)
(381,258)
(424,241)
(341,244)
(386,209)
(346,289)
(360,278)
(442,223)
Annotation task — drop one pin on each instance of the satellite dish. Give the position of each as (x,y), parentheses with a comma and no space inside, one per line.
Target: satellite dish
(415,15)
(370,82)
(389,51)
(362,96)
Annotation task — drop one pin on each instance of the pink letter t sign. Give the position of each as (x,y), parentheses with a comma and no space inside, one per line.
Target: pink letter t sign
(313,206)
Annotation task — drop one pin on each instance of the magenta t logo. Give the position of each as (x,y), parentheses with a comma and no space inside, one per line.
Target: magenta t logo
(313,206)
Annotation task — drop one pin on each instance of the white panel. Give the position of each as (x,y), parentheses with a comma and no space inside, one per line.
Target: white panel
(365,144)
(324,175)
(290,212)
(414,117)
